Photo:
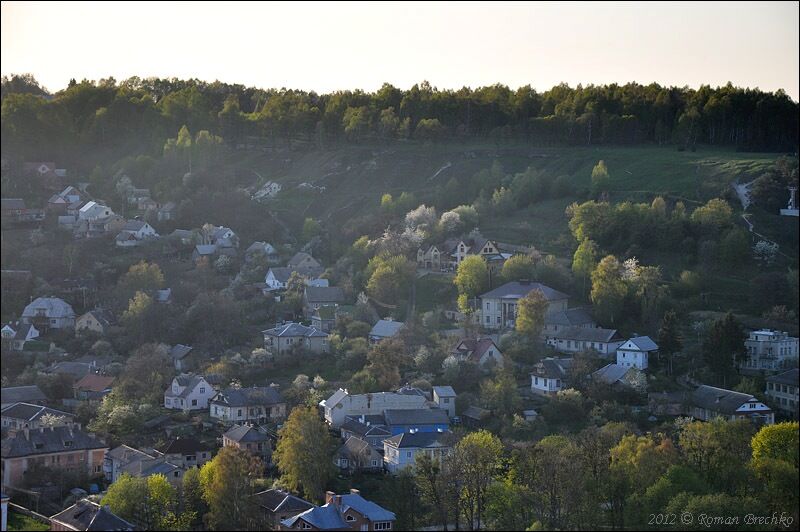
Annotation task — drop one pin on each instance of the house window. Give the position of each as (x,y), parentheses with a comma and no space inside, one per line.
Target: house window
(374,463)
(239,412)
(67,444)
(194,402)
(305,526)
(350,518)
(446,400)
(383,525)
(191,458)
(52,322)
(176,473)
(408,454)
(202,389)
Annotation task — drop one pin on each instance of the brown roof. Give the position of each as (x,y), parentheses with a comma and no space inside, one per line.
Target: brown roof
(474,349)
(93,382)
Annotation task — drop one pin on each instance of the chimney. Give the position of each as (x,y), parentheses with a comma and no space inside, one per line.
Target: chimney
(330,497)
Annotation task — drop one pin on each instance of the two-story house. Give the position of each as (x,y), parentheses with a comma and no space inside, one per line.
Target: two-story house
(769,350)
(445,398)
(284,338)
(549,376)
(188,392)
(342,404)
(499,306)
(186,452)
(482,351)
(342,512)
(401,450)
(636,352)
(259,405)
(247,437)
(305,264)
(47,313)
(29,416)
(357,455)
(782,391)
(275,505)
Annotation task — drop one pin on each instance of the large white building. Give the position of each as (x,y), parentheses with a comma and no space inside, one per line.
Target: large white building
(341,404)
(635,353)
(49,313)
(770,350)
(188,392)
(499,306)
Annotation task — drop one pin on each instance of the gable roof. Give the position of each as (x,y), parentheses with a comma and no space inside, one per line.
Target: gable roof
(127,454)
(474,349)
(386,328)
(422,416)
(184,445)
(187,382)
(552,368)
(355,446)
(368,509)
(444,391)
(373,425)
(93,382)
(49,440)
(644,343)
(325,517)
(245,433)
(519,289)
(719,399)
(294,330)
(133,225)
(790,378)
(18,394)
(422,440)
(88,515)
(235,397)
(584,334)
(274,500)
(205,249)
(300,257)
(476,412)
(569,317)
(324,294)
(611,373)
(30,412)
(281,273)
(179,351)
(54,307)
(104,317)
(12,204)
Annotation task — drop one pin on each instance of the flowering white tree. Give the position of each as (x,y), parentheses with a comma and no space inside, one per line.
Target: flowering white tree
(630,269)
(450,222)
(765,252)
(422,218)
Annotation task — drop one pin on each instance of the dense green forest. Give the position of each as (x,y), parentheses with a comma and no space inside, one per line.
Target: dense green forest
(111,119)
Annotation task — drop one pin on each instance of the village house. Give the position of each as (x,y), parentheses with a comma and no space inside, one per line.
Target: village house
(156,464)
(134,233)
(188,393)
(94,211)
(356,455)
(62,447)
(401,451)
(431,258)
(482,351)
(576,339)
(549,375)
(119,457)
(370,428)
(181,357)
(276,505)
(385,328)
(288,336)
(620,376)
(277,277)
(316,297)
(99,321)
(15,334)
(29,416)
(167,212)
(769,350)
(186,452)
(88,515)
(499,306)
(305,264)
(21,394)
(342,512)
(92,387)
(247,437)
(14,210)
(782,391)
(324,319)
(565,319)
(709,402)
(341,404)
(445,398)
(636,352)
(417,420)
(259,405)
(47,313)
(266,249)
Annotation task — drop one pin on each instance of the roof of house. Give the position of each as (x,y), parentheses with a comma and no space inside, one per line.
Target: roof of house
(184,445)
(182,233)
(294,330)
(179,351)
(719,399)
(103,316)
(30,412)
(88,515)
(476,412)
(12,204)
(235,397)
(610,373)
(644,343)
(335,398)
(552,368)
(411,390)
(569,317)
(587,335)
(790,378)
(326,517)
(519,289)
(187,382)
(22,331)
(444,391)
(373,425)
(49,440)
(127,454)
(78,370)
(275,500)
(324,294)
(300,257)
(281,273)
(368,509)
(54,307)
(19,394)
(386,328)
(133,225)
(473,348)
(205,249)
(407,440)
(355,446)
(245,433)
(422,416)
(266,247)
(93,382)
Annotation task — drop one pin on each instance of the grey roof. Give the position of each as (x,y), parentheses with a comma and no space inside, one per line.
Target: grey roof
(235,397)
(569,317)
(30,412)
(266,247)
(127,454)
(77,369)
(18,394)
(182,233)
(368,509)
(49,440)
(644,343)
(789,378)
(184,445)
(386,328)
(281,273)
(324,294)
(552,368)
(587,335)
(610,373)
(299,257)
(104,317)
(275,499)
(376,426)
(189,382)
(519,289)
(336,398)
(22,331)
(179,351)
(133,225)
(419,440)
(411,390)
(205,249)
(719,399)
(325,517)
(54,308)
(444,391)
(354,446)
(476,412)
(294,330)
(88,515)
(427,416)
(12,204)
(245,433)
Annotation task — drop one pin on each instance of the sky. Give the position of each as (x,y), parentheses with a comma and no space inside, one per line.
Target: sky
(333,46)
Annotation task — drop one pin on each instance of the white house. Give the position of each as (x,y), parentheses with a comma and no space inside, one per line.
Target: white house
(635,352)
(770,350)
(49,313)
(134,232)
(445,398)
(401,451)
(16,334)
(549,375)
(499,306)
(482,351)
(277,277)
(782,390)
(577,339)
(93,211)
(341,404)
(709,402)
(188,392)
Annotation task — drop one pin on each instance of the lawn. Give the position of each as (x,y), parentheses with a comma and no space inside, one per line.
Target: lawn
(17,521)
(435,291)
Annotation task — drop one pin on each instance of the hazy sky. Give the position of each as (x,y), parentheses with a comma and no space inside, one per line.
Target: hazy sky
(333,46)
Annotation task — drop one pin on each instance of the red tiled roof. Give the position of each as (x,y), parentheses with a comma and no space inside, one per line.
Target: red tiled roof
(93,382)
